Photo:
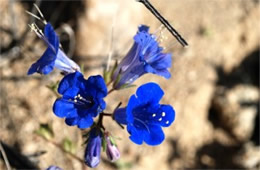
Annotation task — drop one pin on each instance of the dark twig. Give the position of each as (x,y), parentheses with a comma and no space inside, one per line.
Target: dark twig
(151,8)
(107,114)
(5,157)
(110,91)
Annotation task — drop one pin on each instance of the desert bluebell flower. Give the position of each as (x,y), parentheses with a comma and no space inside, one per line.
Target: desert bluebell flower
(112,151)
(93,149)
(145,56)
(53,55)
(144,116)
(81,99)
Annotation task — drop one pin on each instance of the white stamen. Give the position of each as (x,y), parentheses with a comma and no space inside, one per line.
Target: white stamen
(163,114)
(154,115)
(160,119)
(75,101)
(167,122)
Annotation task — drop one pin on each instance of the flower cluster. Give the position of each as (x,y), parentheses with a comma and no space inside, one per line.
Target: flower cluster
(82,100)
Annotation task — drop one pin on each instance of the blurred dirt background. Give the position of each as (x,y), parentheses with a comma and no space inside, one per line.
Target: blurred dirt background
(214,86)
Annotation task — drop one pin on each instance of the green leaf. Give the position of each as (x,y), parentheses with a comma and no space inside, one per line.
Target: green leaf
(45,130)
(114,69)
(82,68)
(69,146)
(125,86)
(104,144)
(112,140)
(54,88)
(107,76)
(117,80)
(122,165)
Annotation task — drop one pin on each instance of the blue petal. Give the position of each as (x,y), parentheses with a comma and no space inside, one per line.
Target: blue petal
(52,37)
(167,114)
(154,136)
(72,118)
(143,28)
(135,135)
(85,122)
(45,64)
(132,104)
(149,93)
(120,116)
(65,64)
(162,61)
(70,93)
(72,121)
(70,80)
(99,85)
(102,104)
(62,108)
(163,72)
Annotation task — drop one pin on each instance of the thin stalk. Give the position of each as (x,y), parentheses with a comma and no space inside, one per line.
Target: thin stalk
(151,8)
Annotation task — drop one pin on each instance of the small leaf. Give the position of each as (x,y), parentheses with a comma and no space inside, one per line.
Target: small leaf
(107,76)
(112,140)
(117,80)
(45,130)
(104,144)
(114,69)
(69,146)
(54,88)
(82,68)
(125,86)
(122,165)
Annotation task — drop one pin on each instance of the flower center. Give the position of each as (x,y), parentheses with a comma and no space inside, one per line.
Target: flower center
(85,102)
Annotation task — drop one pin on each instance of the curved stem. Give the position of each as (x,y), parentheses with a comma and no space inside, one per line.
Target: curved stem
(110,91)
(61,148)
(100,121)
(107,114)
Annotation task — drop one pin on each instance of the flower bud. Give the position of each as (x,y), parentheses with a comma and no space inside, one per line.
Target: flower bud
(112,151)
(52,167)
(93,149)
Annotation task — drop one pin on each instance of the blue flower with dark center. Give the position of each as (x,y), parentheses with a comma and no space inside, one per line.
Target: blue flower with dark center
(93,149)
(81,99)
(53,56)
(145,56)
(144,116)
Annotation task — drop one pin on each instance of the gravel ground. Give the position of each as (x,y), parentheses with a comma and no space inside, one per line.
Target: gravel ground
(214,86)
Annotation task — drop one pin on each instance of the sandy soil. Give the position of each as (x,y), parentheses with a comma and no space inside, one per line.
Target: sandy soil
(214,86)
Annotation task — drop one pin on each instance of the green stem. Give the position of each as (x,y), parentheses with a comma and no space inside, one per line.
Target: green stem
(61,148)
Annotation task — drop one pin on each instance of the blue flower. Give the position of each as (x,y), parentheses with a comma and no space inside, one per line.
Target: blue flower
(93,149)
(53,56)
(144,116)
(81,99)
(145,56)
